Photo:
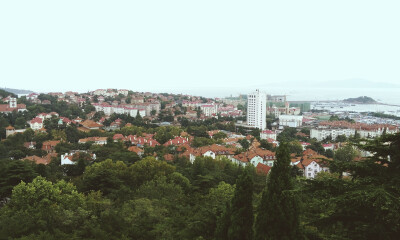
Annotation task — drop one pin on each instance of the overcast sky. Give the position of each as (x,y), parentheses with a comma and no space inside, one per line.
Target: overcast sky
(179,46)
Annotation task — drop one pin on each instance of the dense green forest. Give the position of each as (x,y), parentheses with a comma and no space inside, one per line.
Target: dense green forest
(122,196)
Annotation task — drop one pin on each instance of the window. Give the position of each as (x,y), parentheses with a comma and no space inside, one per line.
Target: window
(309,174)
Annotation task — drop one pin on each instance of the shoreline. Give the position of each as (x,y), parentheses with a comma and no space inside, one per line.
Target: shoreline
(341,101)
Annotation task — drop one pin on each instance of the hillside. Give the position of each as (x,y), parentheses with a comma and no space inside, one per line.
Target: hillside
(360,100)
(16,91)
(4,93)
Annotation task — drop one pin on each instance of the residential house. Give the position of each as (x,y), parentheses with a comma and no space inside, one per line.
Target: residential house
(12,106)
(49,146)
(10,130)
(91,125)
(36,123)
(268,134)
(38,160)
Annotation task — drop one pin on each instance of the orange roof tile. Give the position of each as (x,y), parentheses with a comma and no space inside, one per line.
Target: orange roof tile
(262,169)
(37,160)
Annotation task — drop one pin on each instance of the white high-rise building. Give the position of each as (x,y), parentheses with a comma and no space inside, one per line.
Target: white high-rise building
(257,109)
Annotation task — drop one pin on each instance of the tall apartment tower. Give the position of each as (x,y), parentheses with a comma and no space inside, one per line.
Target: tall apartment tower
(257,109)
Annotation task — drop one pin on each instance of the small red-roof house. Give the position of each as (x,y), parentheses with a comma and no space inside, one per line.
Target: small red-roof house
(137,150)
(313,163)
(262,169)
(92,125)
(30,145)
(119,137)
(37,160)
(36,123)
(11,106)
(329,146)
(49,146)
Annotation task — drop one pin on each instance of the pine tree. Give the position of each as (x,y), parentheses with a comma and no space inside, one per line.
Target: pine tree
(242,218)
(277,215)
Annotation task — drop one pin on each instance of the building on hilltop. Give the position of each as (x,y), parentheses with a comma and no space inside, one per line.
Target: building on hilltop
(12,106)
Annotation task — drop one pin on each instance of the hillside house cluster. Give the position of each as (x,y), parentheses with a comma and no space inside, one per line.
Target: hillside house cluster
(11,105)
(336,128)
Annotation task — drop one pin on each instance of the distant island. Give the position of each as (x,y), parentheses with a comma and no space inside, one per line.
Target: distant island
(360,100)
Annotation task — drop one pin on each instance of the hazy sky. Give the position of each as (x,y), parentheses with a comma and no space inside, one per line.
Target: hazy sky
(186,46)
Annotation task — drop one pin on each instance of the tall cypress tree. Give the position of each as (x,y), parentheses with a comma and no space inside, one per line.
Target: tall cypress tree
(223,223)
(277,215)
(242,218)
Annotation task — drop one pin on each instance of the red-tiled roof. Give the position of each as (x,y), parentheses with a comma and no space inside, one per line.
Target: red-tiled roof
(135,149)
(6,107)
(38,160)
(262,169)
(91,124)
(36,120)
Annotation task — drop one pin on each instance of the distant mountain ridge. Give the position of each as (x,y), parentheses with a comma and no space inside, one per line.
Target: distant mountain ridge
(17,91)
(4,93)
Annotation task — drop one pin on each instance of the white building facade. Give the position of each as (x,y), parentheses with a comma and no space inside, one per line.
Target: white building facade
(290,120)
(268,134)
(209,109)
(322,133)
(312,169)
(257,109)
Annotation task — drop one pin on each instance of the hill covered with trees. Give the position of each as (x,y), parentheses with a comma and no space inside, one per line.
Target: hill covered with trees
(360,100)
(209,199)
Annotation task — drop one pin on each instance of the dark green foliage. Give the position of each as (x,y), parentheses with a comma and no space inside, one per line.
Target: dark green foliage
(207,173)
(365,207)
(244,143)
(202,141)
(278,213)
(12,172)
(287,135)
(105,176)
(266,145)
(342,158)
(223,223)
(203,220)
(219,135)
(295,147)
(316,146)
(241,221)
(73,135)
(341,138)
(200,131)
(329,153)
(40,207)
